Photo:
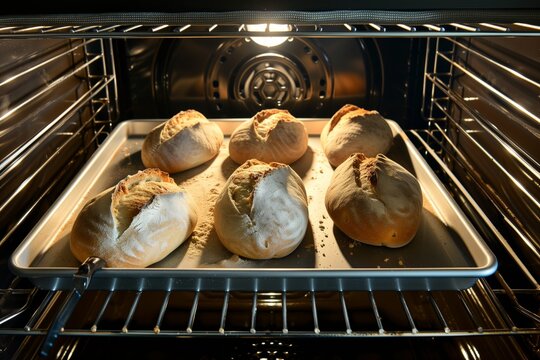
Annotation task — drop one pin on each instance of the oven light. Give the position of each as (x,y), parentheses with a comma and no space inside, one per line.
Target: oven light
(268,41)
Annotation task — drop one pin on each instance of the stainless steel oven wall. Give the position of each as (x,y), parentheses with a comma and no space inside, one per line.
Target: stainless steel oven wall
(482,107)
(56,104)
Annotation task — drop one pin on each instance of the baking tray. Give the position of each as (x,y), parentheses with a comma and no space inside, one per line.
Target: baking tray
(447,252)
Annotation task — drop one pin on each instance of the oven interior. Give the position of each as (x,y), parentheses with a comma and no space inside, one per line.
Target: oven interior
(466,93)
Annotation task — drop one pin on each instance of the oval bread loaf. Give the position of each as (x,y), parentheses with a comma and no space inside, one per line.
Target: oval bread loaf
(271,135)
(375,201)
(136,223)
(355,130)
(186,140)
(262,211)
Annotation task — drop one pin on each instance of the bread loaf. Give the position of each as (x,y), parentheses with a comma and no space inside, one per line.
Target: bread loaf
(262,211)
(375,201)
(136,223)
(272,135)
(186,140)
(355,130)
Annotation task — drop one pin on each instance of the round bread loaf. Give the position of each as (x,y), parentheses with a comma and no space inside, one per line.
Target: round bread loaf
(262,211)
(375,201)
(136,223)
(186,140)
(271,135)
(355,130)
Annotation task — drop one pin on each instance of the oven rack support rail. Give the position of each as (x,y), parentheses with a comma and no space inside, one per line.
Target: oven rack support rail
(245,30)
(436,143)
(479,324)
(99,97)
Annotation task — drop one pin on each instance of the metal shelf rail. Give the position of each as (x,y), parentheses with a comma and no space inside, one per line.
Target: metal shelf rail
(484,324)
(97,97)
(295,30)
(447,110)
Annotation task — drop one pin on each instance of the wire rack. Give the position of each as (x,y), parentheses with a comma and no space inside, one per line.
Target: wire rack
(479,311)
(483,319)
(490,307)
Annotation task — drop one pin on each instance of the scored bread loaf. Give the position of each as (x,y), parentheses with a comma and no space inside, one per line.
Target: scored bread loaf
(375,201)
(271,135)
(355,130)
(136,223)
(184,141)
(262,211)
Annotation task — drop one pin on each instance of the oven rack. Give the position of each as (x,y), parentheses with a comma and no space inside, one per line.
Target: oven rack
(482,306)
(243,30)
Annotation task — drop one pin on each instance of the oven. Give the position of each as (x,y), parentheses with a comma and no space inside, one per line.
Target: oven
(463,83)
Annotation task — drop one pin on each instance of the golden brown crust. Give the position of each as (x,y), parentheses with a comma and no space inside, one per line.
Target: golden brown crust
(375,201)
(284,115)
(135,191)
(180,121)
(270,135)
(186,140)
(355,130)
(149,174)
(273,117)
(350,111)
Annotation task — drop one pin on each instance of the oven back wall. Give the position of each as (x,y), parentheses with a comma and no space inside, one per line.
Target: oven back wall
(238,77)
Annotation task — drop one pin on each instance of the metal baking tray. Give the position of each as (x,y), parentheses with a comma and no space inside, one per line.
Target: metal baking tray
(447,253)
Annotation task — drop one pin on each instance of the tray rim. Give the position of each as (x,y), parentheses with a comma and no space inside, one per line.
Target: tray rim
(33,272)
